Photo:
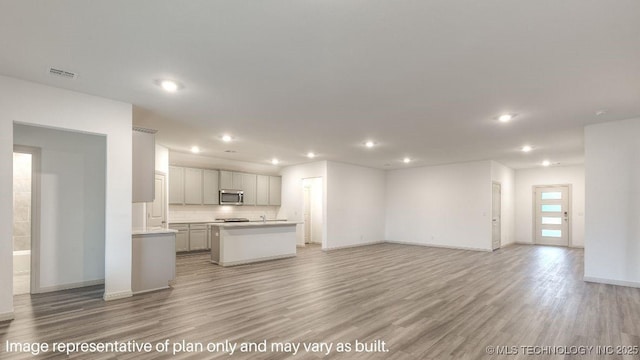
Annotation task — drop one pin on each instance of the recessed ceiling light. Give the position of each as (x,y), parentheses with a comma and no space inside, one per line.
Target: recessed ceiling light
(526,148)
(275,161)
(505,117)
(169,85)
(406,160)
(226,138)
(311,155)
(195,149)
(601,112)
(546,163)
(369,144)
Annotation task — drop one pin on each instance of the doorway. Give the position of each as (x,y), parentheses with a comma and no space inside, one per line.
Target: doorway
(551,214)
(496,216)
(312,210)
(26,162)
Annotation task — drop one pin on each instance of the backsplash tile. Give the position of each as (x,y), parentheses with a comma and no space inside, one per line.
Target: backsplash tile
(204,213)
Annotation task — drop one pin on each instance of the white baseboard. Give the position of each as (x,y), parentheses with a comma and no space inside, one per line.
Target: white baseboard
(151,290)
(437,246)
(117,295)
(592,279)
(47,289)
(7,316)
(353,245)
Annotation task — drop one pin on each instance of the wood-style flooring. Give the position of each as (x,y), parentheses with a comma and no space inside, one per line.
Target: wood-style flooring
(425,303)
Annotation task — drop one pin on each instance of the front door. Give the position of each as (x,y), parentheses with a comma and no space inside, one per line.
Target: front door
(551,215)
(156,210)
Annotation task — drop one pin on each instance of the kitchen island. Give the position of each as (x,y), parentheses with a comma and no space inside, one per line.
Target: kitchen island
(237,243)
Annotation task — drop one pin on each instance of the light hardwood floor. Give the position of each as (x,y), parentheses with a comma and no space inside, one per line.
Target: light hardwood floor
(425,303)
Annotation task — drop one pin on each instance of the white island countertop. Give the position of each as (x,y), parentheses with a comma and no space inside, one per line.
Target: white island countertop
(152,231)
(255,223)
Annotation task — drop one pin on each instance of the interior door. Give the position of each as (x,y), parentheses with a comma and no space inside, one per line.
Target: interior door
(307,215)
(551,215)
(156,210)
(496,213)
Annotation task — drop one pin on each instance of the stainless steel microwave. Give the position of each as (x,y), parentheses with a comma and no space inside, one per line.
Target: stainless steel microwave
(231,197)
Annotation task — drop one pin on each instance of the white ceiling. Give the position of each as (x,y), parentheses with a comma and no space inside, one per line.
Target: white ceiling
(423,78)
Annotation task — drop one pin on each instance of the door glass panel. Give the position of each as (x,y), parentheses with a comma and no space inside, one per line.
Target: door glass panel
(551,233)
(551,221)
(551,208)
(554,195)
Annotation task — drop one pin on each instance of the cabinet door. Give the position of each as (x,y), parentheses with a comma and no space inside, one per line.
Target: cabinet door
(249,188)
(176,185)
(144,166)
(210,187)
(238,181)
(262,190)
(197,240)
(182,240)
(226,180)
(275,190)
(193,186)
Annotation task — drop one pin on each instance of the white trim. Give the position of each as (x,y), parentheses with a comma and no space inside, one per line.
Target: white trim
(438,246)
(46,289)
(7,316)
(117,295)
(353,245)
(150,290)
(632,284)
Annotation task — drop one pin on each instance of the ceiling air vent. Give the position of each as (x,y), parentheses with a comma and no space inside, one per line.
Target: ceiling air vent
(63,73)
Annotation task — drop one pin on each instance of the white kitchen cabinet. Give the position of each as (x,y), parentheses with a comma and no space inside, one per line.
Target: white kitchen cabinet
(230,180)
(197,237)
(144,165)
(176,185)
(192,186)
(262,190)
(275,190)
(226,180)
(249,188)
(182,236)
(210,187)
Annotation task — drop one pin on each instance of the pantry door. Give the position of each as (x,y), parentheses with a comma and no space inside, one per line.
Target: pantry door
(552,215)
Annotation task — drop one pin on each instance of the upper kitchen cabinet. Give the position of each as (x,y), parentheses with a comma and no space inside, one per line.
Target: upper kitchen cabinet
(144,164)
(210,187)
(230,180)
(192,186)
(176,185)
(275,190)
(249,188)
(262,190)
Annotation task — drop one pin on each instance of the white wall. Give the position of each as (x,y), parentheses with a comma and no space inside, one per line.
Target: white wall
(30,103)
(292,207)
(447,206)
(612,230)
(72,193)
(553,175)
(506,177)
(355,205)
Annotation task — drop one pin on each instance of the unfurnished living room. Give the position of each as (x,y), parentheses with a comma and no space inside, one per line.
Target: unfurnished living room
(319,179)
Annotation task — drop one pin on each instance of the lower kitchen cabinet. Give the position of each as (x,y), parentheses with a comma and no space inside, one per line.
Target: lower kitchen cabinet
(182,236)
(197,237)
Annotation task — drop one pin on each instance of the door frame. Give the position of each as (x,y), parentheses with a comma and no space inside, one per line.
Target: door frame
(35,213)
(534,208)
